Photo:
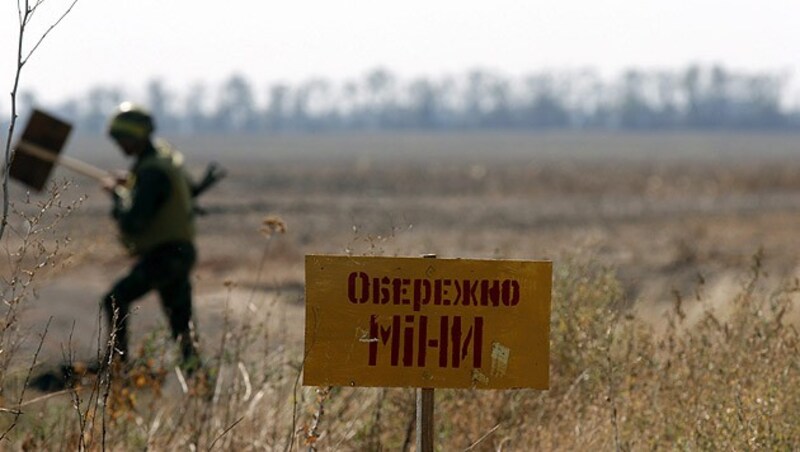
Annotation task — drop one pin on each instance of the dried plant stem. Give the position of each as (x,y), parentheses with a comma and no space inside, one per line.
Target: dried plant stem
(313,433)
(17,411)
(225,432)
(482,438)
(26,12)
(409,438)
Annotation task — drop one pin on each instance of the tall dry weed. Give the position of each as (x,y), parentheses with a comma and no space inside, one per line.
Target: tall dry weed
(722,381)
(34,246)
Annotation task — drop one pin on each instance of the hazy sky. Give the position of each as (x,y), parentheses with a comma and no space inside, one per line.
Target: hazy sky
(128,42)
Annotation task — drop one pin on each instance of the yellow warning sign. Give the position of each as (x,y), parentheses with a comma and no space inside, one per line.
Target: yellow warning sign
(432,323)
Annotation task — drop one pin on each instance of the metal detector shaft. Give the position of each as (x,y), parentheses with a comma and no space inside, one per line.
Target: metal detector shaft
(70,163)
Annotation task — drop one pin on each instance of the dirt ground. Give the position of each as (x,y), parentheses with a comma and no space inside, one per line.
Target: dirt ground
(672,213)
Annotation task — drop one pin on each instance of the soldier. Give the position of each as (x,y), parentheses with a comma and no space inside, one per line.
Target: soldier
(154,211)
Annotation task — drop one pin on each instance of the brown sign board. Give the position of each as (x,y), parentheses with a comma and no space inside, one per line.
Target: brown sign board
(427,323)
(44,133)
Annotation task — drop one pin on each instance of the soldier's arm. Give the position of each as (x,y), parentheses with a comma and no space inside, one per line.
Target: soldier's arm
(151,191)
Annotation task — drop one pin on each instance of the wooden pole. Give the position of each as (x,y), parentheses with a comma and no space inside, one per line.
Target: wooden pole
(67,162)
(425,410)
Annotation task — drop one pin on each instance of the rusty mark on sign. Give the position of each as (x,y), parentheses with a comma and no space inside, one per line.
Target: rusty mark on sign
(363,336)
(479,377)
(500,355)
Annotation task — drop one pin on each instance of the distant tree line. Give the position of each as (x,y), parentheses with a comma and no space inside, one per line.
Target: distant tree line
(696,97)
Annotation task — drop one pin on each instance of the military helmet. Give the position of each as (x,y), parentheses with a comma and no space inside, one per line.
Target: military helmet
(132,121)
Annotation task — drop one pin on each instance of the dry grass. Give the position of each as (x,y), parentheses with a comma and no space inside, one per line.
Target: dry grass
(646,351)
(728,381)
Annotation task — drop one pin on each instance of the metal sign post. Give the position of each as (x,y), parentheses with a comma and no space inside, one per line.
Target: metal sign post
(425,410)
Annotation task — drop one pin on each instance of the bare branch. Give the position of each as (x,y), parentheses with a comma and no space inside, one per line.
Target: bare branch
(24,19)
(47,32)
(32,9)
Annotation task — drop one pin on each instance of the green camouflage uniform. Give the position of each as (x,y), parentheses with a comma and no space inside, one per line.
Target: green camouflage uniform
(155,219)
